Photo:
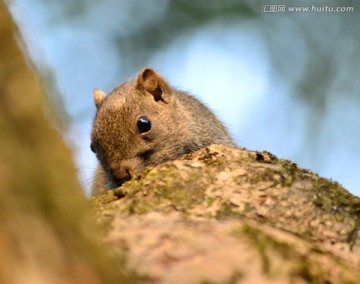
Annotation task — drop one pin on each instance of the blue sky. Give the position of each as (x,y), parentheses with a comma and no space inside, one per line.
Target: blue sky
(224,64)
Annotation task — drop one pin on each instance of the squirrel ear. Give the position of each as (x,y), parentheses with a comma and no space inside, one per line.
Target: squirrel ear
(98,97)
(153,83)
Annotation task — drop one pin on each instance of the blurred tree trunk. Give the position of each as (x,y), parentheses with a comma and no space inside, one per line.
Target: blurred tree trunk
(45,233)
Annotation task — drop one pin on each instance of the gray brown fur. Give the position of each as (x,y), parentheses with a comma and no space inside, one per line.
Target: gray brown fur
(180,124)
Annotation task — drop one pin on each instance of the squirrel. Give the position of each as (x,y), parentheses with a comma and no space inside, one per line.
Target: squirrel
(145,122)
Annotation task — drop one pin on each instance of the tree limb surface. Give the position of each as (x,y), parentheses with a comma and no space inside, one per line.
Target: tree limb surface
(225,215)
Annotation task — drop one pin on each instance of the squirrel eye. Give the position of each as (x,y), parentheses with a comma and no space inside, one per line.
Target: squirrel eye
(143,124)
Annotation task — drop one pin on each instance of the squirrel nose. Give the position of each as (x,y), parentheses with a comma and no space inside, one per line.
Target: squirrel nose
(120,176)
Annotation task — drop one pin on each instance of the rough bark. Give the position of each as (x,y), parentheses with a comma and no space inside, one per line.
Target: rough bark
(224,215)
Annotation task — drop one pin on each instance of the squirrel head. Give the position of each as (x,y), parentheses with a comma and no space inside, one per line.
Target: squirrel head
(136,126)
